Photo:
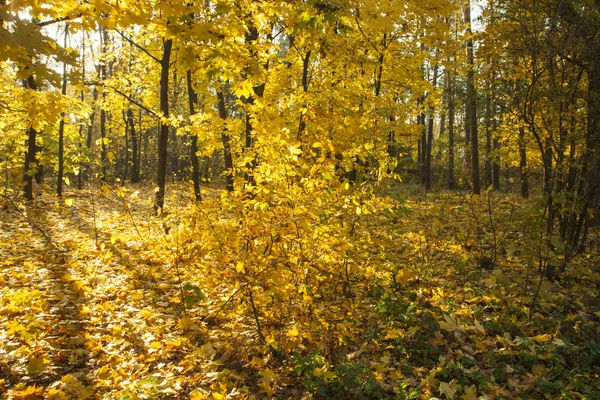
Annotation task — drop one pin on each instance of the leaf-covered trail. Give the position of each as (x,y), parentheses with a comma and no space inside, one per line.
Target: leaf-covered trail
(73,304)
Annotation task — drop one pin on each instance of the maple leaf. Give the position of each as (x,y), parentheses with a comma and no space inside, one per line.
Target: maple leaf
(448,389)
(450,323)
(30,393)
(35,365)
(538,370)
(470,393)
(293,332)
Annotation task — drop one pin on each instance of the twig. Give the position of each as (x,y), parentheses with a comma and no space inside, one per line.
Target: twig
(138,46)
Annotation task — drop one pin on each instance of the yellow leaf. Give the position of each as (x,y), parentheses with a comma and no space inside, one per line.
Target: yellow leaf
(68,202)
(218,396)
(396,375)
(258,362)
(328,375)
(197,395)
(35,365)
(450,324)
(542,338)
(295,150)
(479,328)
(538,370)
(68,278)
(385,358)
(470,393)
(56,394)
(358,211)
(239,267)
(30,392)
(243,89)
(293,332)
(449,389)
(186,323)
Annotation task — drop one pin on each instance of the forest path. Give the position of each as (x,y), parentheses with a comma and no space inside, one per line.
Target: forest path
(83,306)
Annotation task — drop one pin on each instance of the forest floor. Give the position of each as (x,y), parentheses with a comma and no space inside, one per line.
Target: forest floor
(92,306)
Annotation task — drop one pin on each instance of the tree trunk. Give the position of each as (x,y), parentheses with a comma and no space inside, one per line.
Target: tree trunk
(451,107)
(591,202)
(472,104)
(488,137)
(192,101)
(174,156)
(164,125)
(61,128)
(30,157)
(496,144)
(305,65)
(103,153)
(258,91)
(523,164)
(422,140)
(429,144)
(126,149)
(227,156)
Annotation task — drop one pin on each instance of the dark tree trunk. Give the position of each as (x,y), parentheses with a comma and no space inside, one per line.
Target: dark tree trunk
(488,138)
(126,150)
(422,141)
(227,156)
(103,152)
(429,144)
(591,202)
(61,129)
(472,104)
(135,157)
(81,125)
(192,101)
(523,164)
(30,156)
(174,156)
(258,92)
(451,107)
(164,125)
(305,65)
(495,163)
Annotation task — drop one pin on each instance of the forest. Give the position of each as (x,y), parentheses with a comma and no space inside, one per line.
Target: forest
(299,199)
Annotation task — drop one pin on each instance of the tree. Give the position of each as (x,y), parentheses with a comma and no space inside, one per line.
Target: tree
(471,116)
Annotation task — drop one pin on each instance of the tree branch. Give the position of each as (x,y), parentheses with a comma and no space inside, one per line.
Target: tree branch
(143,107)
(138,46)
(54,21)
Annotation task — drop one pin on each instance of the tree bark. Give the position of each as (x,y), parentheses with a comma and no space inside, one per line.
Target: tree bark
(451,109)
(523,164)
(227,156)
(472,104)
(488,137)
(61,128)
(305,65)
(164,125)
(429,144)
(103,152)
(192,101)
(30,157)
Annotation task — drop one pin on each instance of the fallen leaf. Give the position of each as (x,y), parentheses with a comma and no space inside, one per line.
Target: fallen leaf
(449,389)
